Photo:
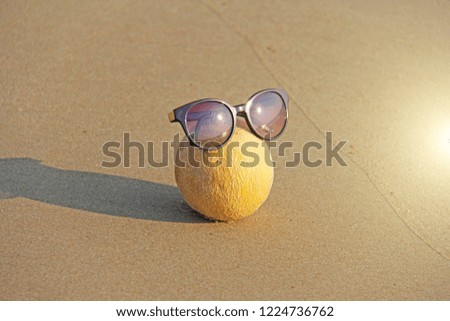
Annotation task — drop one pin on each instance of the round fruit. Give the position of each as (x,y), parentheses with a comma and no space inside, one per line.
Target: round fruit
(228,183)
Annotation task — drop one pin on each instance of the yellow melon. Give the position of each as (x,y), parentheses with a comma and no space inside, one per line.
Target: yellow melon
(229,183)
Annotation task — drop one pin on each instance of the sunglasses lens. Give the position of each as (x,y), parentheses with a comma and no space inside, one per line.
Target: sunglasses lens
(268,114)
(209,124)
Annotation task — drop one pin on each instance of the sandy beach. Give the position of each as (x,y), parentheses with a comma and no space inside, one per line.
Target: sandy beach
(78,74)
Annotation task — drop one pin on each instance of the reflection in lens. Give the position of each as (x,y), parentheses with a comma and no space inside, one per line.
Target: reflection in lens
(209,124)
(268,114)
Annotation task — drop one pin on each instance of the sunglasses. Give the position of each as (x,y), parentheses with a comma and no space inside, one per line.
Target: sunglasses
(210,123)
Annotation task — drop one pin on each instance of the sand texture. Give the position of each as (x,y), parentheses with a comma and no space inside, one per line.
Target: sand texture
(77,74)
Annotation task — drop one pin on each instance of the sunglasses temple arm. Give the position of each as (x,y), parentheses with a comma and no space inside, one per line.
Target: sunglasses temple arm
(172,116)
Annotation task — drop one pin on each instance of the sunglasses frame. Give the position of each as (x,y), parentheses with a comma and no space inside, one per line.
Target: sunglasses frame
(180,115)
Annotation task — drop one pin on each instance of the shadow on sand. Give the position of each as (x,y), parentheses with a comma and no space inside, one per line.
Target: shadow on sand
(94,192)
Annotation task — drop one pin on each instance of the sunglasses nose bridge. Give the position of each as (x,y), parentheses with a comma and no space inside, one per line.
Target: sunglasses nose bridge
(240,109)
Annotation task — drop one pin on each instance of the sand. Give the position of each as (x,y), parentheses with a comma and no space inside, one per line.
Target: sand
(77,74)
